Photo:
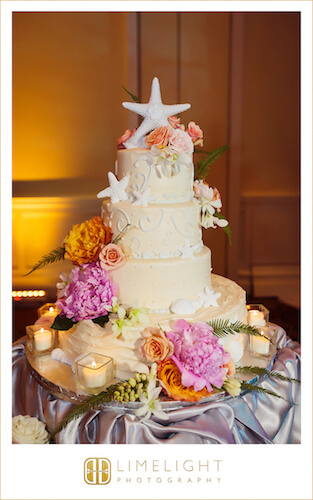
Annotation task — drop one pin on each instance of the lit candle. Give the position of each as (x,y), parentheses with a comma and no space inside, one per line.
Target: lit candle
(256,318)
(43,339)
(94,375)
(260,345)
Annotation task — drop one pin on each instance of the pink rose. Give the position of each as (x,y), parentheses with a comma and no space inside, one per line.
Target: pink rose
(111,257)
(159,137)
(174,121)
(155,346)
(195,133)
(127,135)
(181,142)
(201,189)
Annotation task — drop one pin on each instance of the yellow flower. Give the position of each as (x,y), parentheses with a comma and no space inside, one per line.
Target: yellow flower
(232,386)
(84,242)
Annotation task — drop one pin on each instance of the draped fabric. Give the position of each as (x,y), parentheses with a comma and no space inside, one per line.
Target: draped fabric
(250,418)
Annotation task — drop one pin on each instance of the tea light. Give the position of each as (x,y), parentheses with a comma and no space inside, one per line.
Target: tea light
(42,339)
(260,345)
(94,375)
(48,310)
(256,318)
(93,372)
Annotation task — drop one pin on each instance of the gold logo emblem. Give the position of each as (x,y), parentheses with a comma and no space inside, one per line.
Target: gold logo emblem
(97,471)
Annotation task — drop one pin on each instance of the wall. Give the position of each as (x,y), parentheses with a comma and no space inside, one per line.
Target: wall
(240,72)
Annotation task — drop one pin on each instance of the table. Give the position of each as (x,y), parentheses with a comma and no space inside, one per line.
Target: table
(249,418)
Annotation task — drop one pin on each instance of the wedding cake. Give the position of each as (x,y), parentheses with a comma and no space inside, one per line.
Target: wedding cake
(158,270)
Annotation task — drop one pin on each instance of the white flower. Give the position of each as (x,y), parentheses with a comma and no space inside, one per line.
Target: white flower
(28,430)
(62,285)
(211,203)
(208,220)
(151,405)
(232,386)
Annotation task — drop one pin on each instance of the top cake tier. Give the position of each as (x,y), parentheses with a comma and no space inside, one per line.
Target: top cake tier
(169,178)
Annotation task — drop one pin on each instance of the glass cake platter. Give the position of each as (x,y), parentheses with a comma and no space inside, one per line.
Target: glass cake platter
(59,379)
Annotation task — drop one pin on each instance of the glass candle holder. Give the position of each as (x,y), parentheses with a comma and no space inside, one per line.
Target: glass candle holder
(258,315)
(48,309)
(94,372)
(262,346)
(40,340)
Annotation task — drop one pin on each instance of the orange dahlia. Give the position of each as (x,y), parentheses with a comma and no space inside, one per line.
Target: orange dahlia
(170,375)
(84,241)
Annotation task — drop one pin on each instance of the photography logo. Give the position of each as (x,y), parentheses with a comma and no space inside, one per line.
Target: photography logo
(97,471)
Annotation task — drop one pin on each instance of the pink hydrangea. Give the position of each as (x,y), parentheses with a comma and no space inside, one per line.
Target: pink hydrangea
(88,293)
(198,355)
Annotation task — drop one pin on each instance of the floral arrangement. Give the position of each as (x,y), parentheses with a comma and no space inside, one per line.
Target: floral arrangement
(28,430)
(88,292)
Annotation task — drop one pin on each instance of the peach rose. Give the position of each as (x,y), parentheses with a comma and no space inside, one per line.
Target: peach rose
(111,257)
(201,188)
(156,346)
(181,142)
(174,121)
(231,369)
(195,133)
(127,135)
(159,137)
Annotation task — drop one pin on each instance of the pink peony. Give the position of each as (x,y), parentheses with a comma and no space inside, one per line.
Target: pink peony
(195,133)
(180,142)
(174,121)
(127,135)
(88,293)
(159,137)
(198,355)
(111,257)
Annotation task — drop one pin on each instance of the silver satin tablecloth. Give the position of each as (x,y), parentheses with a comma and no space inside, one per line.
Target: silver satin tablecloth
(251,418)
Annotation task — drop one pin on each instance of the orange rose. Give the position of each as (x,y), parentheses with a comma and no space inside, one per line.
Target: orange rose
(195,133)
(159,137)
(231,369)
(127,135)
(174,121)
(170,375)
(84,241)
(155,346)
(111,257)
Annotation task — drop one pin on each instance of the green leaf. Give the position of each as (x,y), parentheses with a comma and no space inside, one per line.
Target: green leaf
(264,372)
(54,256)
(203,165)
(226,228)
(134,97)
(245,386)
(92,403)
(62,323)
(224,327)
(118,237)
(101,320)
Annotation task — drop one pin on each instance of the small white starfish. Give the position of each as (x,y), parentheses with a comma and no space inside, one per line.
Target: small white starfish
(117,188)
(142,198)
(155,114)
(187,250)
(208,297)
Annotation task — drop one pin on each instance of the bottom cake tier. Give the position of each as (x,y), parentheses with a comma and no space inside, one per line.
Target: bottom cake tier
(89,337)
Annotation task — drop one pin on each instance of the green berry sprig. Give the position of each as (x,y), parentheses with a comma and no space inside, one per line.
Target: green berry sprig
(129,391)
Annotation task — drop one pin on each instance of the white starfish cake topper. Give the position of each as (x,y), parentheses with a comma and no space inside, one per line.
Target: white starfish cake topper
(155,114)
(116,191)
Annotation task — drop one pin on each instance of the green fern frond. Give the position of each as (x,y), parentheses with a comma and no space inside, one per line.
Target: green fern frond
(262,372)
(203,165)
(226,228)
(223,327)
(54,256)
(134,97)
(118,237)
(92,403)
(245,386)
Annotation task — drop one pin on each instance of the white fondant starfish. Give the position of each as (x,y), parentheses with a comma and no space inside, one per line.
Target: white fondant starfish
(187,250)
(116,191)
(208,297)
(155,114)
(143,198)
